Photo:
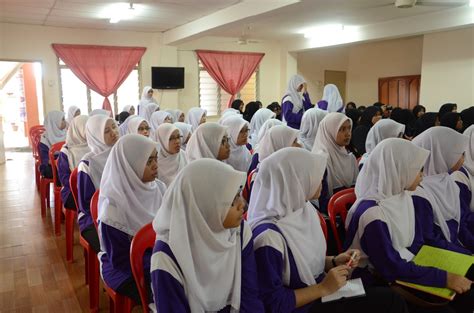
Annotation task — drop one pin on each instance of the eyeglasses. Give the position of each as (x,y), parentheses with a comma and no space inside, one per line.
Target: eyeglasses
(175,138)
(225,140)
(151,159)
(141,129)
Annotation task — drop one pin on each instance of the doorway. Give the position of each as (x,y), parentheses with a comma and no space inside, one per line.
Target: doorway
(400,91)
(21,102)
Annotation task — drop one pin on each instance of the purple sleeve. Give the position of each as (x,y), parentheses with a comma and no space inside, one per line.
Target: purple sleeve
(44,154)
(64,173)
(307,101)
(85,191)
(390,265)
(466,235)
(117,246)
(324,197)
(432,235)
(168,293)
(292,119)
(275,296)
(249,287)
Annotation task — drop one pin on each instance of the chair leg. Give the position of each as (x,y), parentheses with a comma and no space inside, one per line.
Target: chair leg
(111,305)
(70,215)
(57,213)
(48,196)
(43,198)
(86,263)
(37,177)
(93,281)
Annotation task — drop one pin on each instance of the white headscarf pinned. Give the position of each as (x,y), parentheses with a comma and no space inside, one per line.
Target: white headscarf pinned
(276,138)
(194,117)
(158,118)
(175,114)
(240,156)
(342,167)
(284,184)
(292,93)
(257,121)
(71,113)
(205,142)
(446,147)
(126,202)
(383,129)
(127,108)
(169,164)
(185,130)
(332,96)
(265,127)
(76,142)
(53,134)
(145,100)
(134,124)
(385,178)
(191,223)
(309,126)
(149,110)
(229,113)
(100,112)
(95,128)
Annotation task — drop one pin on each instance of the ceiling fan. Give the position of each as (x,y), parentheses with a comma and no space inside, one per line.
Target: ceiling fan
(244,38)
(406,4)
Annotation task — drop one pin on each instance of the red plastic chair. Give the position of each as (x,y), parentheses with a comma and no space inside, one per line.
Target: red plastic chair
(35,133)
(58,203)
(44,192)
(338,205)
(144,239)
(324,226)
(117,302)
(70,217)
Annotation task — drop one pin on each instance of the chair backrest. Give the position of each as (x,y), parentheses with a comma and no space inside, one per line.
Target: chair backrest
(94,207)
(35,137)
(73,186)
(143,240)
(338,206)
(53,160)
(324,226)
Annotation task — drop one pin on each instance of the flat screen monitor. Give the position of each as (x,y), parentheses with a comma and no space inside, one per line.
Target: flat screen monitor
(167,77)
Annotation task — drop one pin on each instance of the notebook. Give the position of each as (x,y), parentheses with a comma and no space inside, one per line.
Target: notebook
(353,288)
(449,261)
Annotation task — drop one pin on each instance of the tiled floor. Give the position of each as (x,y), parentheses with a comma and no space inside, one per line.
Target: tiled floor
(34,274)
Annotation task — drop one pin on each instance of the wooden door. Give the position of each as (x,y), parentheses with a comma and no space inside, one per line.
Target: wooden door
(337,78)
(400,91)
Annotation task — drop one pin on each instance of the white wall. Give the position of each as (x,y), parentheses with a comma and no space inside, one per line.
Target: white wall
(448,69)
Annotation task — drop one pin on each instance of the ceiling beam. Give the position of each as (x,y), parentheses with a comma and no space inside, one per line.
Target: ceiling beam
(232,14)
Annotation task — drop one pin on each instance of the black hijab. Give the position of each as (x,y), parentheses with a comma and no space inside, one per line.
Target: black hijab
(236,105)
(368,114)
(250,110)
(359,135)
(428,120)
(450,120)
(446,108)
(417,109)
(405,117)
(467,116)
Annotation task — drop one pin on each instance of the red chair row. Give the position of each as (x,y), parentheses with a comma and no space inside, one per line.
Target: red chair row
(339,205)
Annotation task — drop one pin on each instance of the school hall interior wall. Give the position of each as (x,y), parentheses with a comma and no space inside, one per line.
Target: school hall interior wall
(447,73)
(364,65)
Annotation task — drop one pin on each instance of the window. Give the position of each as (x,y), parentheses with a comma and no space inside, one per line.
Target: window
(214,99)
(75,92)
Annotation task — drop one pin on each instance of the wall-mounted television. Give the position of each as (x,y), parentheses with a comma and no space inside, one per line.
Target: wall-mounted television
(167,77)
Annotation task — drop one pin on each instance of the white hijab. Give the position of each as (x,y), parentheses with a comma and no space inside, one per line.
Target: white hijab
(53,134)
(469,159)
(149,110)
(276,138)
(265,127)
(185,130)
(240,156)
(309,126)
(99,112)
(228,113)
(145,100)
(342,166)
(257,121)
(383,129)
(127,108)
(134,123)
(446,146)
(205,142)
(97,157)
(190,222)
(284,184)
(385,178)
(76,142)
(71,112)
(158,118)
(125,201)
(332,96)
(194,116)
(292,93)
(175,114)
(169,164)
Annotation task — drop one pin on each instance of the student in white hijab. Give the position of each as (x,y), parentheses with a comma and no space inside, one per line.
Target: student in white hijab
(238,129)
(55,131)
(290,247)
(170,157)
(130,109)
(145,100)
(384,210)
(130,196)
(158,118)
(72,112)
(295,101)
(185,130)
(100,112)
(135,125)
(71,153)
(447,148)
(149,110)
(265,127)
(309,126)
(101,133)
(177,115)
(332,99)
(209,140)
(229,113)
(257,121)
(195,117)
(383,129)
(276,138)
(203,256)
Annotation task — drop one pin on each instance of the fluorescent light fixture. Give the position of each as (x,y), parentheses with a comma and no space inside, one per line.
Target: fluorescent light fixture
(324,30)
(332,34)
(120,11)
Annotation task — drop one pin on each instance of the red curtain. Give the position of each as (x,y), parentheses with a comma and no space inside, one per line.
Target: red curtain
(102,68)
(231,70)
